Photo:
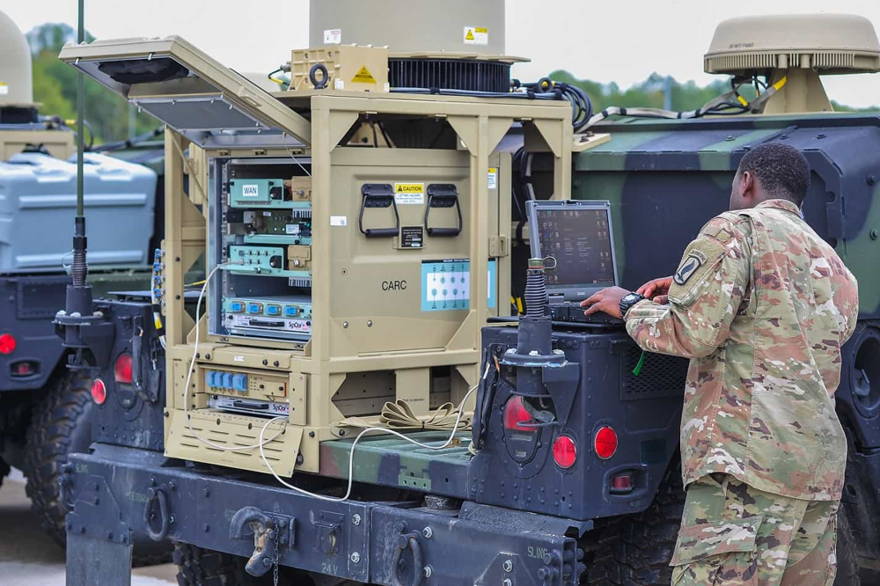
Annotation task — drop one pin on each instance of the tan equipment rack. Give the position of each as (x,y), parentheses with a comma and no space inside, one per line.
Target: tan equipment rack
(363,337)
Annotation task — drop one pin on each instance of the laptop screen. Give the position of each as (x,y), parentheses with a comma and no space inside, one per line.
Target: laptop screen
(576,236)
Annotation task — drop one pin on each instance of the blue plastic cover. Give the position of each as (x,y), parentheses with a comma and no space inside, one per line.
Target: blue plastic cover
(38,202)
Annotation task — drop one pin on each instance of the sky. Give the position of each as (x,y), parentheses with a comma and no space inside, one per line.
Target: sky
(602,41)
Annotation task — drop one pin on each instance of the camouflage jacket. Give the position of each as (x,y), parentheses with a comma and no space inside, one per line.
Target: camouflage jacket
(761,305)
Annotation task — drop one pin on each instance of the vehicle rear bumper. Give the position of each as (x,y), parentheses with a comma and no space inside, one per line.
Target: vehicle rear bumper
(111,488)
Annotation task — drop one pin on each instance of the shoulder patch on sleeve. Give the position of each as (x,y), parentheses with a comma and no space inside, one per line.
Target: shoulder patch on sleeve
(691,263)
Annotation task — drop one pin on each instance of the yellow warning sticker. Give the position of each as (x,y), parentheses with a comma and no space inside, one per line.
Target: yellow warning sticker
(4,88)
(409,193)
(363,76)
(476,35)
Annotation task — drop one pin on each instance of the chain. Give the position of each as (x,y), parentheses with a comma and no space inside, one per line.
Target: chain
(277,556)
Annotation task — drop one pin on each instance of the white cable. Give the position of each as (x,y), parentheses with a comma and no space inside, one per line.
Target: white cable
(262,442)
(296,160)
(355,443)
(192,364)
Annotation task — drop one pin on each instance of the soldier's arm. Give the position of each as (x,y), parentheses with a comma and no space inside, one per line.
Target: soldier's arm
(705,295)
(846,298)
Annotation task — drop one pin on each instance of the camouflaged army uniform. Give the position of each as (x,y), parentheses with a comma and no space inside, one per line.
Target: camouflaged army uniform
(762,306)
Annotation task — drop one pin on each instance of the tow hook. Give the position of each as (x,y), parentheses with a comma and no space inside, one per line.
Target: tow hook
(408,541)
(265,530)
(157,510)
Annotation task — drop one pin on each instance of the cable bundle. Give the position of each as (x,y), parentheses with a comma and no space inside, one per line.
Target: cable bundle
(399,415)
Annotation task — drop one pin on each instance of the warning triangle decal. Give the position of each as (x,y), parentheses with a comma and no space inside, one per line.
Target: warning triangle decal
(363,76)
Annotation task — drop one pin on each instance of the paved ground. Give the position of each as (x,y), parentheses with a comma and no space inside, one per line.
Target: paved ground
(28,557)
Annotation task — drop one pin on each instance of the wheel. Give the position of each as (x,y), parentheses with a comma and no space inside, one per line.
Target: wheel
(62,425)
(847,560)
(636,550)
(204,567)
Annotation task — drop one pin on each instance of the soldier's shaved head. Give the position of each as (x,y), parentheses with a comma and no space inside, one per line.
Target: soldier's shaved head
(770,171)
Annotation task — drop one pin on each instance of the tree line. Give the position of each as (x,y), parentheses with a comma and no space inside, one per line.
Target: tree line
(111,119)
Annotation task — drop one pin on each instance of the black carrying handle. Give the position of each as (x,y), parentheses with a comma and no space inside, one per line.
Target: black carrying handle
(378,195)
(443,195)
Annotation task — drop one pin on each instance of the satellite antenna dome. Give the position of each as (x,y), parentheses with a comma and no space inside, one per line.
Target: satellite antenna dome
(827,43)
(792,51)
(16,87)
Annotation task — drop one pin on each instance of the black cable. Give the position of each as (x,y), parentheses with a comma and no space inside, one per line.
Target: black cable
(543,89)
(476,94)
(129,142)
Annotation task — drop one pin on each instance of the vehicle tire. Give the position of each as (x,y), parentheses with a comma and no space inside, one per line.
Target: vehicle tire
(61,425)
(847,560)
(204,567)
(636,550)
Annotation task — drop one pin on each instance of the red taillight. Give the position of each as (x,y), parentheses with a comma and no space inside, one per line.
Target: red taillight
(23,368)
(515,413)
(122,369)
(622,483)
(99,391)
(605,442)
(7,343)
(564,451)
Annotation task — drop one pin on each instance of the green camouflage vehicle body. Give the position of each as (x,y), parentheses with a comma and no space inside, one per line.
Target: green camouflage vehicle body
(666,178)
(674,175)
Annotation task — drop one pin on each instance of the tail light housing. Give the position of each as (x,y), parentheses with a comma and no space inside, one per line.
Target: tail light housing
(564,451)
(516,414)
(7,343)
(621,483)
(24,368)
(605,442)
(122,368)
(98,391)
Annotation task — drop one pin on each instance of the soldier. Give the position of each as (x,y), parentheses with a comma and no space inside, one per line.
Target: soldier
(761,305)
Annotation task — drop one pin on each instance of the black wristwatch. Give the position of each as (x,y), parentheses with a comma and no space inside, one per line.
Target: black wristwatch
(628,301)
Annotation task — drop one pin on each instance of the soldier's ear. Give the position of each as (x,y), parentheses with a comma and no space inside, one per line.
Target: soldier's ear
(748,186)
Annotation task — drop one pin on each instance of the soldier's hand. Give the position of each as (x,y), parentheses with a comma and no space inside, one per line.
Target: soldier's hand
(655,287)
(606,300)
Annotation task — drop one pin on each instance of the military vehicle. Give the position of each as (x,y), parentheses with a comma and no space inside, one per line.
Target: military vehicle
(351,399)
(45,408)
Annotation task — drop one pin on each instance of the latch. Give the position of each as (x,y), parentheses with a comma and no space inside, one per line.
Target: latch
(442,195)
(270,532)
(378,195)
(498,246)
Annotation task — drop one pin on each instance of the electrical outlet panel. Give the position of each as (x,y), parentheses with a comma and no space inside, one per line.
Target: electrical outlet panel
(246,392)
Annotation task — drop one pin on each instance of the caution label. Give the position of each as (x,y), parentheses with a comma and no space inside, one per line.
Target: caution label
(4,88)
(493,178)
(363,76)
(476,35)
(333,36)
(409,193)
